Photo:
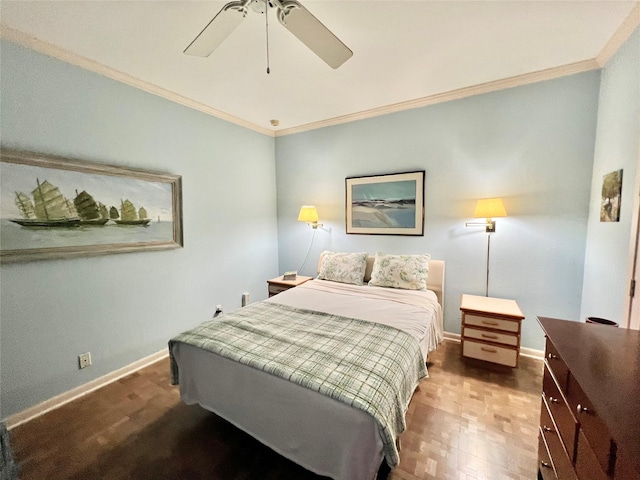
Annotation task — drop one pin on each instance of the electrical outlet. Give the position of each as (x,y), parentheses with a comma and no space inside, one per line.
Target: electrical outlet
(246,298)
(84,360)
(218,311)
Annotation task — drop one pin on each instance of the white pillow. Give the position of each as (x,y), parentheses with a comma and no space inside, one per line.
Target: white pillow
(343,267)
(400,271)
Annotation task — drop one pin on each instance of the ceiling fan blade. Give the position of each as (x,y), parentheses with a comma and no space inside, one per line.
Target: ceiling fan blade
(310,31)
(219,28)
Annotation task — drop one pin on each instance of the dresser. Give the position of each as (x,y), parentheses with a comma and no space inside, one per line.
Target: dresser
(278,284)
(589,418)
(490,329)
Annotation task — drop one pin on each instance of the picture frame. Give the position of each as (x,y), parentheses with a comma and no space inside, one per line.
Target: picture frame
(53,208)
(389,204)
(611,196)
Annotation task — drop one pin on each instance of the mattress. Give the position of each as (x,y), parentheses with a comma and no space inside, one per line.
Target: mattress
(317,432)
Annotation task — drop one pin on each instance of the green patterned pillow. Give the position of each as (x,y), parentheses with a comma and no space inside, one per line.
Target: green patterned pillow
(400,271)
(343,267)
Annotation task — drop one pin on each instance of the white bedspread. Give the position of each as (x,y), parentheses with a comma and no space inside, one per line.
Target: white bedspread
(413,311)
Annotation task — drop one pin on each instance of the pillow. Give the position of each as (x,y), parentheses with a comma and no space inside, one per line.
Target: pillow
(400,271)
(343,267)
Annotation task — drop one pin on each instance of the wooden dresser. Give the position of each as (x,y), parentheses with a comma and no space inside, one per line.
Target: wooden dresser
(589,419)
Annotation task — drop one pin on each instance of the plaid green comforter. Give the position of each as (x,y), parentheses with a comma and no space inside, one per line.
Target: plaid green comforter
(368,366)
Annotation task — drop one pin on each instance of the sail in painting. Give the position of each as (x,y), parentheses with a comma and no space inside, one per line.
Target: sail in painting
(50,208)
(25,205)
(88,210)
(129,215)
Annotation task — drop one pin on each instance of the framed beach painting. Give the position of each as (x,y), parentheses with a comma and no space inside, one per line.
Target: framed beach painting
(53,207)
(390,204)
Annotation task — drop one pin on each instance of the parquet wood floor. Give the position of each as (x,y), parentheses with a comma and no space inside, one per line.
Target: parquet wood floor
(465,422)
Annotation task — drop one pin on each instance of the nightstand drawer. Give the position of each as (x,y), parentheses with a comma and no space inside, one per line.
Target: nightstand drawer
(492,323)
(275,289)
(504,338)
(490,353)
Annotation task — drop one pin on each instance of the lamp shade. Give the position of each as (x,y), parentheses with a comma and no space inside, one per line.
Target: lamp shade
(308,213)
(490,208)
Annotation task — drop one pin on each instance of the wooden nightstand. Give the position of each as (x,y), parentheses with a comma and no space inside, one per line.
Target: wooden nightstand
(277,285)
(490,329)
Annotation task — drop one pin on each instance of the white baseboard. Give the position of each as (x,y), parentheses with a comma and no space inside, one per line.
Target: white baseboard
(30,413)
(527,352)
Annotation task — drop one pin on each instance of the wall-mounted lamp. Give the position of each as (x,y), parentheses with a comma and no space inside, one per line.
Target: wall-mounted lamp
(309,214)
(488,208)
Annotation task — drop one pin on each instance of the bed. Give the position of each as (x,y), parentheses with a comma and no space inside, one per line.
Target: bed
(286,407)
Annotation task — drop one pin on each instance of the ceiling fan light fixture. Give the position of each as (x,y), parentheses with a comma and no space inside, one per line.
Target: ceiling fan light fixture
(291,14)
(259,6)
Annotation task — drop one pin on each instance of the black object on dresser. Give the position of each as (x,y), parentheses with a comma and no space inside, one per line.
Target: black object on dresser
(589,420)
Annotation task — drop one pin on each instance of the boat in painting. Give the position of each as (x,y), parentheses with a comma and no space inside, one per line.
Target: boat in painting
(49,208)
(130,216)
(90,211)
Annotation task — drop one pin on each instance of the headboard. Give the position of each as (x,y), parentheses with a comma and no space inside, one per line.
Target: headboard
(435,279)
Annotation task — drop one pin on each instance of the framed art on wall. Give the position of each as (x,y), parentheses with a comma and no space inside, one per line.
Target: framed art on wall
(611,195)
(54,207)
(391,204)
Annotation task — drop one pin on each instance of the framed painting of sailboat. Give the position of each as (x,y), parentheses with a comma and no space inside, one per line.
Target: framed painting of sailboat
(53,207)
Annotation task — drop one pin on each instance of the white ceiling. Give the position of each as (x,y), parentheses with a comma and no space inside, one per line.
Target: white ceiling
(403,50)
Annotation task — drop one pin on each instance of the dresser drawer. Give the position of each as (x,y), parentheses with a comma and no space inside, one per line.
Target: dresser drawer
(503,338)
(492,322)
(557,365)
(587,464)
(592,425)
(545,466)
(624,469)
(490,353)
(560,458)
(559,410)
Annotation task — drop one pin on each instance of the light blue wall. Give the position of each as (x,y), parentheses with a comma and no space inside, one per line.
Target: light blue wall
(607,261)
(124,307)
(531,145)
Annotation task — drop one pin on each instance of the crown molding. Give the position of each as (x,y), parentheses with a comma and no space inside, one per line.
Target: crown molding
(620,36)
(510,82)
(21,38)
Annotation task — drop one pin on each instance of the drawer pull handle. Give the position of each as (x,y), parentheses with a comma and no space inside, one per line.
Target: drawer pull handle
(489,322)
(546,429)
(582,409)
(486,335)
(553,399)
(490,350)
(551,356)
(545,464)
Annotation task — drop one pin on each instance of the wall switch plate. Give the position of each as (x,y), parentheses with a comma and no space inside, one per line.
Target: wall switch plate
(84,360)
(245,299)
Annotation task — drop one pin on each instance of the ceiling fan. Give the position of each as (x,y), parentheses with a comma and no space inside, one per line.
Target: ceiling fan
(293,16)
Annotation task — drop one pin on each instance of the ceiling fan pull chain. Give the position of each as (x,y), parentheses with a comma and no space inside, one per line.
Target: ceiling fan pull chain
(266,16)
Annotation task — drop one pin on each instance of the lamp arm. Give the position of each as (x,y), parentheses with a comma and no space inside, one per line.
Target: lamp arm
(308,251)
